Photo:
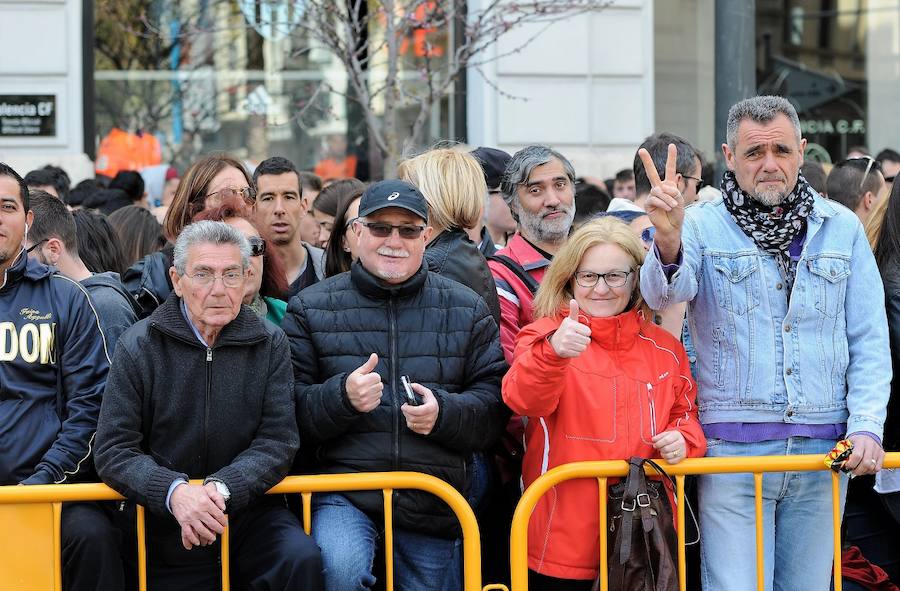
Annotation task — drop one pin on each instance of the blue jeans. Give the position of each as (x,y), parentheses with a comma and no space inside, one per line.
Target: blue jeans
(348,540)
(798,534)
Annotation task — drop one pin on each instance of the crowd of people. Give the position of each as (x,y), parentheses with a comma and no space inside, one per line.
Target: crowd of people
(483,318)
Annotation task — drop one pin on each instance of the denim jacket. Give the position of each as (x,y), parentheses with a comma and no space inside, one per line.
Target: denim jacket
(820,357)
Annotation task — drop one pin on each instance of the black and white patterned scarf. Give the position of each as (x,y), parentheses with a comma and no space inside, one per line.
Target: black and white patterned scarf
(771,228)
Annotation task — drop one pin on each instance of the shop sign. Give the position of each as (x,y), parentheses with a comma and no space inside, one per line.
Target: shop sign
(31,115)
(827,126)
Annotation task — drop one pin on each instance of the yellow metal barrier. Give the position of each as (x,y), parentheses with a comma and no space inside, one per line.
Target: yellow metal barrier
(617,469)
(30,516)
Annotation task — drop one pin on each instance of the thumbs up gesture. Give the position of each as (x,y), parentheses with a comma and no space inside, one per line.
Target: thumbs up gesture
(364,386)
(572,337)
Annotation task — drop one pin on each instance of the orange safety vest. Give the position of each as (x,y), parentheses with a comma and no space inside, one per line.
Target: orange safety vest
(121,150)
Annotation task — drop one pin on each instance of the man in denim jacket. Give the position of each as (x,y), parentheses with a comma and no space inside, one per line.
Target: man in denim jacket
(786,310)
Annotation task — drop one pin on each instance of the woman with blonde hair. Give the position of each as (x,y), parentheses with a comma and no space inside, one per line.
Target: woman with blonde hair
(598,381)
(453,185)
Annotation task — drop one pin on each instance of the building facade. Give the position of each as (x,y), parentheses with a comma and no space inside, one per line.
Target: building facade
(97,85)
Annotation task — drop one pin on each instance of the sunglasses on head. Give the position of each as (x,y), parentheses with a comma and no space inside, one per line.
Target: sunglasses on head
(383,229)
(871,164)
(257,246)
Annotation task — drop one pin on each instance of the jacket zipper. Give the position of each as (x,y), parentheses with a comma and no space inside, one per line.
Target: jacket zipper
(209,356)
(652,409)
(395,408)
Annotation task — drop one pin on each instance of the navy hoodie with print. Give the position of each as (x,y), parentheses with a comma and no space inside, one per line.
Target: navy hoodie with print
(53,367)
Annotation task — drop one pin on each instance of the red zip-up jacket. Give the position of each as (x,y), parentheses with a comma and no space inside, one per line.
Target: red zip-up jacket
(631,383)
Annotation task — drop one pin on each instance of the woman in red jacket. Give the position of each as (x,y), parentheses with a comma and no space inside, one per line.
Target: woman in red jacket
(597,381)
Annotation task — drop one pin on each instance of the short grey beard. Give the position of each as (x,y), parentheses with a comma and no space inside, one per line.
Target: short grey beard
(386,275)
(539,231)
(769,198)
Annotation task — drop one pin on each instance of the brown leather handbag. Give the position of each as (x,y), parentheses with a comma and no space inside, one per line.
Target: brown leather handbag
(642,548)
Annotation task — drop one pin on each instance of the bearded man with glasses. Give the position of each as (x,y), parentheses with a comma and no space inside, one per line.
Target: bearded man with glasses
(353,336)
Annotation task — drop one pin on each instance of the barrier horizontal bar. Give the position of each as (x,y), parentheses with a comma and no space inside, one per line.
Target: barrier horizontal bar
(619,468)
(318,483)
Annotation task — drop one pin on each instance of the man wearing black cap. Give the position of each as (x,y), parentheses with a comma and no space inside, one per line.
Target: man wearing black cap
(498,224)
(353,337)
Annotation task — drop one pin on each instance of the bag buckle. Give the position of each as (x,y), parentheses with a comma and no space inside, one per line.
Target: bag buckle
(645,502)
(633,505)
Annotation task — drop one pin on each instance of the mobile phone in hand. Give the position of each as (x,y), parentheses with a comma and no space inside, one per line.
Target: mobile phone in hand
(411,397)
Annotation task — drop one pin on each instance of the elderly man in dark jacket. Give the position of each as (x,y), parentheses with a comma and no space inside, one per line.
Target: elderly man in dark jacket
(353,337)
(203,389)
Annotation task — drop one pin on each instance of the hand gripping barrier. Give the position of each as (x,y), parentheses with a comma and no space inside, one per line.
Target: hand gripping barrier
(618,468)
(30,517)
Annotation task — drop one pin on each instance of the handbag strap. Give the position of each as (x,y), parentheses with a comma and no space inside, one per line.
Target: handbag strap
(634,483)
(666,478)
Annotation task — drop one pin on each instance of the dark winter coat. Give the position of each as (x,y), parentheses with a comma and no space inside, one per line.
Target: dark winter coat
(174,408)
(429,328)
(890,274)
(115,306)
(452,255)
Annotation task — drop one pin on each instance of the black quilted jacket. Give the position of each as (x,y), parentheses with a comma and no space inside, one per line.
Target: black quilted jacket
(430,328)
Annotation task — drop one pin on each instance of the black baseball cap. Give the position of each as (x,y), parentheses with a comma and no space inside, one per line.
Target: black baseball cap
(393,193)
(493,162)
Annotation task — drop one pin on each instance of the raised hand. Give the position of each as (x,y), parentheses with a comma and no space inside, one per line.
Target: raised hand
(665,204)
(364,386)
(572,337)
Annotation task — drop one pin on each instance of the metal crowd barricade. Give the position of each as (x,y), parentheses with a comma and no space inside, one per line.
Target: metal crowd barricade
(34,562)
(618,468)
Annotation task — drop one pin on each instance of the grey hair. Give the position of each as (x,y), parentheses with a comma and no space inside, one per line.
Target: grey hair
(760,109)
(208,232)
(522,165)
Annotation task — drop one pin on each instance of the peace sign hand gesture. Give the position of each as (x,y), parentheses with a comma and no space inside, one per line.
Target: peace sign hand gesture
(665,204)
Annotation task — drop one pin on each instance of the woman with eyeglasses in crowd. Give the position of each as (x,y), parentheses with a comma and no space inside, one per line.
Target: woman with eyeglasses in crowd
(598,381)
(266,284)
(340,250)
(205,185)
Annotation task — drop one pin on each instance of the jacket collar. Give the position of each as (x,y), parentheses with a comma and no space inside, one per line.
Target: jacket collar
(525,254)
(615,332)
(25,268)
(168,319)
(375,288)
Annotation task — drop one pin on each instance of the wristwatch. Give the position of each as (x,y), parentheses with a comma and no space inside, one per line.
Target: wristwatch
(222,489)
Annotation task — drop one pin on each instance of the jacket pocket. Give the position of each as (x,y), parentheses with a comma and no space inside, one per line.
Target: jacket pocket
(829,277)
(589,414)
(654,405)
(737,282)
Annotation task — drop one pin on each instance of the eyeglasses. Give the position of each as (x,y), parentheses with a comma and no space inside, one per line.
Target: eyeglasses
(248,194)
(647,234)
(700,182)
(229,278)
(257,246)
(35,245)
(383,229)
(871,163)
(589,279)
